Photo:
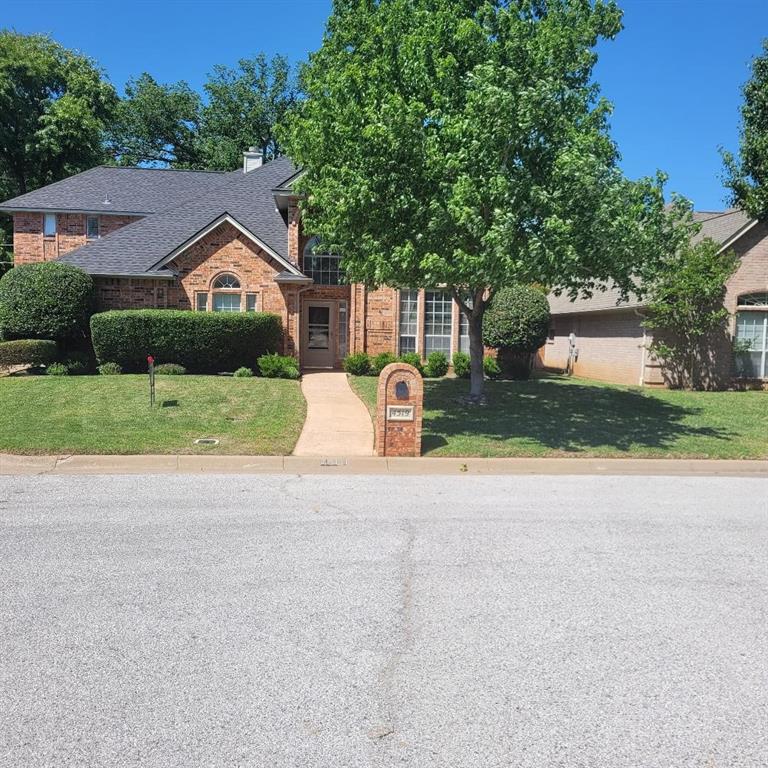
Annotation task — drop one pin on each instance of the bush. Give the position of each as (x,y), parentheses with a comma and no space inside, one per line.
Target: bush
(517,319)
(110,369)
(203,342)
(413,358)
(75,367)
(437,365)
(170,369)
(491,367)
(57,369)
(48,300)
(357,364)
(243,373)
(461,365)
(27,352)
(279,367)
(381,361)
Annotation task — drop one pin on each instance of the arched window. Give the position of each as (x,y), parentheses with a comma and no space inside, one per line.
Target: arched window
(226,281)
(751,343)
(323,268)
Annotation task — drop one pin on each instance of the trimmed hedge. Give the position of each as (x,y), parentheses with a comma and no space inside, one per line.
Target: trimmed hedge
(357,364)
(517,319)
(27,352)
(48,300)
(437,365)
(170,369)
(203,342)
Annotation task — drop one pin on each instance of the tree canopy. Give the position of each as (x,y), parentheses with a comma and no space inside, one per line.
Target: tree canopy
(463,143)
(747,176)
(54,105)
(244,106)
(156,124)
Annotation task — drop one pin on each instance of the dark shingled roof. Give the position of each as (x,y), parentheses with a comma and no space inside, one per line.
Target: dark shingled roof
(118,190)
(721,226)
(246,197)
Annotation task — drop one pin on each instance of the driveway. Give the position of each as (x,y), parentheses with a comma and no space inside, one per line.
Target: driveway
(383,621)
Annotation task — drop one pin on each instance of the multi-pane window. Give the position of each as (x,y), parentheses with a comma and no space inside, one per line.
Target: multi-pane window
(49,224)
(91,227)
(438,316)
(343,329)
(464,328)
(323,268)
(409,321)
(226,302)
(752,344)
(226,281)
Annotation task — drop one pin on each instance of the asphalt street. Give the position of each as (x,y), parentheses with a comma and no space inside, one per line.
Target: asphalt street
(361,621)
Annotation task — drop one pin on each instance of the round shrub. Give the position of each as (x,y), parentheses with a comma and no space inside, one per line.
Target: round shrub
(278,367)
(381,361)
(203,342)
(170,369)
(243,373)
(491,368)
(48,300)
(57,369)
(461,365)
(110,369)
(414,359)
(516,323)
(357,364)
(437,365)
(27,352)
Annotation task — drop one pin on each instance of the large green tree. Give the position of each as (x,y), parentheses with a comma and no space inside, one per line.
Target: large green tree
(244,106)
(747,175)
(54,104)
(463,143)
(156,124)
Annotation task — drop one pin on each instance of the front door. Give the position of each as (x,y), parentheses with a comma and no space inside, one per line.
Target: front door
(318,349)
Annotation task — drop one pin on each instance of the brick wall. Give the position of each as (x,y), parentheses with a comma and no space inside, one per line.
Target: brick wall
(610,345)
(30,245)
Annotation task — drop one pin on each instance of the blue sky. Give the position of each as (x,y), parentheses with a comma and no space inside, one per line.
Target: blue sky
(674,74)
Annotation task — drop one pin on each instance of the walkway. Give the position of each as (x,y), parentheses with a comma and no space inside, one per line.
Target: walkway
(338,424)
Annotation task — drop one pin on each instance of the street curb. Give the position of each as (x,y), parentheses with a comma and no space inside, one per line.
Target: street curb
(372,465)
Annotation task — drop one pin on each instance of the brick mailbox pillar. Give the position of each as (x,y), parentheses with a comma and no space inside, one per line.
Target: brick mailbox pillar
(399,411)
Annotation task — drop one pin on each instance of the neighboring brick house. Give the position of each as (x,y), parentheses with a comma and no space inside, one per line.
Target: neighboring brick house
(224,242)
(609,342)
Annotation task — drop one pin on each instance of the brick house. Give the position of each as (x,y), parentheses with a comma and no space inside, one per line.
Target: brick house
(224,242)
(604,338)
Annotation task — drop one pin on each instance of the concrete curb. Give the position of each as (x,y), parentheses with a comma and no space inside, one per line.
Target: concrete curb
(371,465)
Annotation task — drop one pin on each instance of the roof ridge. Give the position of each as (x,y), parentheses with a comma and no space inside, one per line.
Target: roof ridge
(165,170)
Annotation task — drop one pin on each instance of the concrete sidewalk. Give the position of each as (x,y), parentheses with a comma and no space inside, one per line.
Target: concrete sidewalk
(371,465)
(338,424)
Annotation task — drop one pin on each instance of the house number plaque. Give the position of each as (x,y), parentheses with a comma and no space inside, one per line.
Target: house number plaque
(400,413)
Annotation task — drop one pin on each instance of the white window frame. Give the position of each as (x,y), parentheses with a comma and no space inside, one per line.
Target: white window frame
(251,296)
(763,339)
(415,333)
(48,231)
(427,336)
(198,296)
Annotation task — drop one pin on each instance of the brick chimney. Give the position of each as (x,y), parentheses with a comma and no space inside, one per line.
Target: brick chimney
(252,159)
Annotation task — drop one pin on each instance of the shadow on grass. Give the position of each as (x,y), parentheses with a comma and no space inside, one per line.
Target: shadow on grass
(559,416)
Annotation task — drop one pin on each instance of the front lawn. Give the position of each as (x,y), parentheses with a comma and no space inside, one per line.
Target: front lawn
(559,416)
(111,414)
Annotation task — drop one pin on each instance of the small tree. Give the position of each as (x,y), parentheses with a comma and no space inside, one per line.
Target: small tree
(49,300)
(516,323)
(463,143)
(686,309)
(747,177)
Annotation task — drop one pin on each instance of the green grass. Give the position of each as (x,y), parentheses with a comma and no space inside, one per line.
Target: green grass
(111,414)
(559,416)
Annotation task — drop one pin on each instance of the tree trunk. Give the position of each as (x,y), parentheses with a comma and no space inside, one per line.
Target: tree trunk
(476,350)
